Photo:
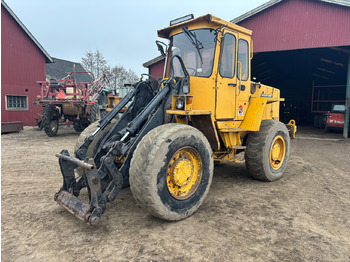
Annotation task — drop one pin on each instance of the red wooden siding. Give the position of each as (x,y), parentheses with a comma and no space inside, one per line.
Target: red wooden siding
(299,24)
(157,69)
(22,63)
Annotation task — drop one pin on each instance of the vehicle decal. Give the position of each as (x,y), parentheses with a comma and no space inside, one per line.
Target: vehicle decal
(240,110)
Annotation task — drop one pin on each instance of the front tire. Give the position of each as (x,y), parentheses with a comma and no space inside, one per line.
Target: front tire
(267,151)
(49,122)
(171,171)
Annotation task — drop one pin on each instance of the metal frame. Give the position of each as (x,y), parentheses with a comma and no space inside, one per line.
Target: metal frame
(316,90)
(50,90)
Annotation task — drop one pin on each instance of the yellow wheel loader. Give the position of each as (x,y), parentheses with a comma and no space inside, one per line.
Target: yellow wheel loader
(205,109)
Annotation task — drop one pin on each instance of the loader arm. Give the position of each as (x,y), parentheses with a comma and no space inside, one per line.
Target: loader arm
(81,151)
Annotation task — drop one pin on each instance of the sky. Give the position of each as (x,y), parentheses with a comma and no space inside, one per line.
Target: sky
(124,31)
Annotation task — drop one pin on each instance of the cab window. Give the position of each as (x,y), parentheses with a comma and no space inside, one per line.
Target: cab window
(227,59)
(198,60)
(243,56)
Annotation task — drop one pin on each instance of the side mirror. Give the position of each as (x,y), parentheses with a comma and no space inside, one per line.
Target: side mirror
(161,46)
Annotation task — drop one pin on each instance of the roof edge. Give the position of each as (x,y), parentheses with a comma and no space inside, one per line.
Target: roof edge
(153,61)
(255,11)
(274,2)
(56,58)
(36,42)
(337,2)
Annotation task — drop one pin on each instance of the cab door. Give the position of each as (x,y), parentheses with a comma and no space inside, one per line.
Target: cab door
(226,86)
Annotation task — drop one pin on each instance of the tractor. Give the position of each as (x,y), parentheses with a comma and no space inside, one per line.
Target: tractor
(205,109)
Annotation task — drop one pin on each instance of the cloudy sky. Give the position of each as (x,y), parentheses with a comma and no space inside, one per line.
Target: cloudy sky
(124,31)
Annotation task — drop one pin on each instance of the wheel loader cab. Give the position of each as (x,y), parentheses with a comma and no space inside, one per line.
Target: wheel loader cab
(217,57)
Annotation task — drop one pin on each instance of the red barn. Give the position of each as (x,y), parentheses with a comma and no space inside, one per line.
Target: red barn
(23,61)
(301,47)
(155,66)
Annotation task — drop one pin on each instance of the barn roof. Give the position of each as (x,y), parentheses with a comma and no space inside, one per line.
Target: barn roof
(298,24)
(61,68)
(274,2)
(275,25)
(36,42)
(153,61)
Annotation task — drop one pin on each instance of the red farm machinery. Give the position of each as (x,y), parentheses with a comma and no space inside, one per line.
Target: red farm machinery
(68,101)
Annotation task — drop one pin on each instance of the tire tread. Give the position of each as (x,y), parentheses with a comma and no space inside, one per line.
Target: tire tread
(141,172)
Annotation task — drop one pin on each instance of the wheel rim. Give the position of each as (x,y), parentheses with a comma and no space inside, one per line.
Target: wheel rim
(53,125)
(184,173)
(277,152)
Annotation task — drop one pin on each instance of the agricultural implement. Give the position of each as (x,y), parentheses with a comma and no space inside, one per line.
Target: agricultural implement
(69,101)
(205,110)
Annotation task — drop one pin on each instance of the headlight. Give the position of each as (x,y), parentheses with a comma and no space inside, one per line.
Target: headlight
(180,103)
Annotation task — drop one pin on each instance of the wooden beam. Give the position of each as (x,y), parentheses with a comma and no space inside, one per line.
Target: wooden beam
(347,104)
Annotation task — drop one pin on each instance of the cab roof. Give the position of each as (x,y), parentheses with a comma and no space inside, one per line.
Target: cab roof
(210,19)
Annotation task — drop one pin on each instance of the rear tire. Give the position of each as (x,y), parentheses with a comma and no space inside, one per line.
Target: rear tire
(49,123)
(103,113)
(79,127)
(171,171)
(94,113)
(267,151)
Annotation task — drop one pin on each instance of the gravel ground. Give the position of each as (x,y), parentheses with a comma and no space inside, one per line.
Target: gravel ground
(302,217)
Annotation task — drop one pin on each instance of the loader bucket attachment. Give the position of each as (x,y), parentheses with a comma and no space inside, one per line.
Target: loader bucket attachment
(68,194)
(78,208)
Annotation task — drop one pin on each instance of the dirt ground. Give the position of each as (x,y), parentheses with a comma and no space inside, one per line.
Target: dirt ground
(302,217)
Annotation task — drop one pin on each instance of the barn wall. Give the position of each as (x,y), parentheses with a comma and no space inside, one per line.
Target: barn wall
(157,69)
(297,24)
(22,64)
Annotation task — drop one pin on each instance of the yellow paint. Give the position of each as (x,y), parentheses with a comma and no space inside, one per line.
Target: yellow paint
(202,90)
(188,113)
(184,173)
(254,114)
(291,125)
(112,102)
(229,155)
(205,21)
(277,152)
(230,139)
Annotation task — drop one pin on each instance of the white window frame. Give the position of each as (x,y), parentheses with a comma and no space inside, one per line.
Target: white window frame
(26,108)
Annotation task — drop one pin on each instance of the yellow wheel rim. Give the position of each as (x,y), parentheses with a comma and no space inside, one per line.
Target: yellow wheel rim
(277,152)
(184,173)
